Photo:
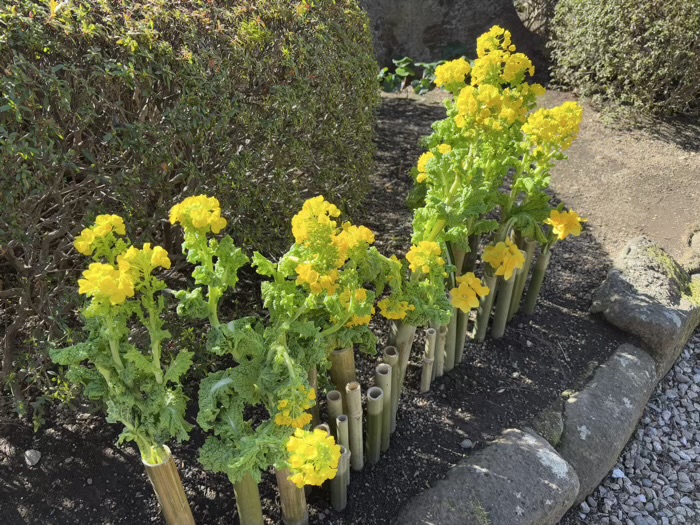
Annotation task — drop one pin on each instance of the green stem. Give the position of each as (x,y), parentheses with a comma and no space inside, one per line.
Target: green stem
(114,345)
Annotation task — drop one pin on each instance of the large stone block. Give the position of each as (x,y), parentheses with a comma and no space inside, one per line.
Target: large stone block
(648,294)
(599,420)
(519,479)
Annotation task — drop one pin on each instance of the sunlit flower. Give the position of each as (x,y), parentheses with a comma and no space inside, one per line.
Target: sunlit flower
(505,258)
(469,290)
(200,213)
(424,256)
(452,72)
(565,223)
(393,309)
(313,458)
(105,282)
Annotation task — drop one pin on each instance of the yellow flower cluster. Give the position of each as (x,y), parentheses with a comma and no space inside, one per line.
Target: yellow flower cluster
(494,39)
(316,213)
(565,223)
(444,149)
(104,282)
(104,225)
(360,296)
(505,258)
(423,166)
(555,128)
(317,282)
(146,258)
(469,289)
(393,309)
(200,213)
(349,238)
(452,72)
(292,413)
(488,106)
(424,256)
(314,457)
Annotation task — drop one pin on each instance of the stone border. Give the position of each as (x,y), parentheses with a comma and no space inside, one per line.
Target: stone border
(533,476)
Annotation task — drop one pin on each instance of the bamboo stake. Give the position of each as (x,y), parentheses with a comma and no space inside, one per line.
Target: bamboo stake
(353,394)
(341,423)
(500,317)
(343,369)
(383,379)
(325,427)
(313,381)
(375,407)
(391,358)
(456,256)
(482,319)
(439,368)
(335,408)
(169,491)
(404,343)
(428,360)
(292,500)
(529,250)
(339,487)
(248,501)
(462,325)
(538,273)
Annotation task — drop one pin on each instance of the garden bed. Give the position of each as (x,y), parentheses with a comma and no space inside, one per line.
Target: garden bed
(84,478)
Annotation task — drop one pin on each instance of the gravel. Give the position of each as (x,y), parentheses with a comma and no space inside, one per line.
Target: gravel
(656,481)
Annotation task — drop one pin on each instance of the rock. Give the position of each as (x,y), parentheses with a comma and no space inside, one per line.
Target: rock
(618,474)
(585,508)
(647,293)
(518,479)
(600,419)
(467,444)
(32,457)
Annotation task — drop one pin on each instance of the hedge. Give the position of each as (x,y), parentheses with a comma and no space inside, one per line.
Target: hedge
(640,54)
(126,107)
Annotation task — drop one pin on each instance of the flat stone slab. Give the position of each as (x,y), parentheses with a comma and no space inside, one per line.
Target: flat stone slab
(649,295)
(599,420)
(518,479)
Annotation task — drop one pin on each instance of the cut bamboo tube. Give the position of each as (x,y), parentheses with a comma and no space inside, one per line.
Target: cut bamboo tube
(461,336)
(339,486)
(428,360)
(169,491)
(529,247)
(313,382)
(482,319)
(449,362)
(353,394)
(341,425)
(538,273)
(391,358)
(383,379)
(248,501)
(292,500)
(500,317)
(343,370)
(439,368)
(375,407)
(335,408)
(404,343)
(325,427)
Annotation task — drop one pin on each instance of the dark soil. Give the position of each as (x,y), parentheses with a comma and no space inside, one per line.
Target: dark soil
(83,478)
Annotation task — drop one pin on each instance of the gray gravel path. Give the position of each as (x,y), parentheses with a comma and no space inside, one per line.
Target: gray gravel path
(657,479)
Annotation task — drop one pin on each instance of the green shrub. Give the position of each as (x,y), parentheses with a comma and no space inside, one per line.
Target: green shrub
(126,107)
(644,54)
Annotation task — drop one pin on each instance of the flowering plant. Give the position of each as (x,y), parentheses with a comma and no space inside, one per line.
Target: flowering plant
(129,376)
(313,457)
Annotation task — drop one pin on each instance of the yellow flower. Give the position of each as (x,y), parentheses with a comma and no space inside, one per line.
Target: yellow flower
(200,213)
(554,129)
(565,223)
(452,72)
(350,238)
(392,309)
(444,149)
(159,257)
(83,243)
(494,39)
(505,258)
(424,256)
(423,161)
(145,259)
(315,213)
(292,412)
(313,457)
(466,295)
(105,282)
(106,224)
(421,178)
(515,67)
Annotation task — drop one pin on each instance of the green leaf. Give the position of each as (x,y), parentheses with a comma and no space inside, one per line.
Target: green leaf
(179,366)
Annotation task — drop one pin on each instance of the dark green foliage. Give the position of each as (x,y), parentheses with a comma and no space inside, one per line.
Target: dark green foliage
(641,54)
(126,107)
